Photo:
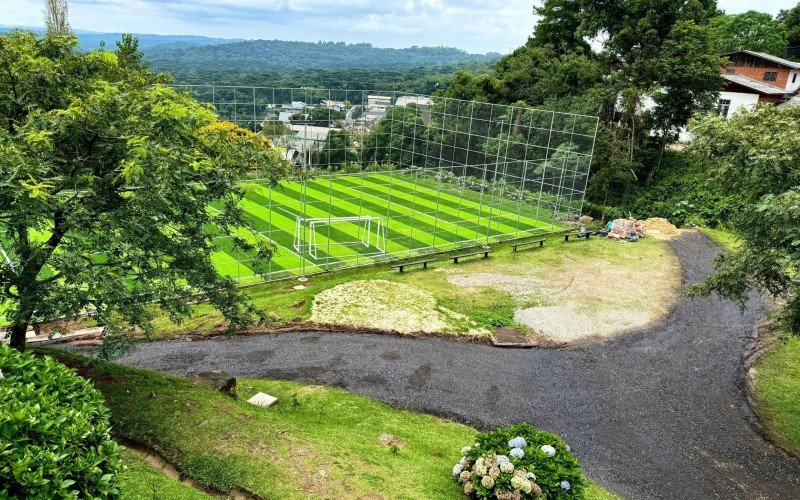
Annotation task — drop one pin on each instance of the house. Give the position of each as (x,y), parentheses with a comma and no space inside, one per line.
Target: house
(419,100)
(334,105)
(379,101)
(754,78)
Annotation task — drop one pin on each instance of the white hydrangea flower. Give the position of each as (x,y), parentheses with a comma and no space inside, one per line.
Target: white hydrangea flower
(479,462)
(466,450)
(487,482)
(457,468)
(548,450)
(531,476)
(517,453)
(482,470)
(565,485)
(518,442)
(517,482)
(568,448)
(527,487)
(507,467)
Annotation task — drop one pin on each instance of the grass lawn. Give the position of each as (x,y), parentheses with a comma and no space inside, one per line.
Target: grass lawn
(316,442)
(725,238)
(141,482)
(648,267)
(415,216)
(778,392)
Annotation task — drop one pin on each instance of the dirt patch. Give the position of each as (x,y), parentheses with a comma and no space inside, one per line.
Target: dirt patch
(391,440)
(386,305)
(568,323)
(602,294)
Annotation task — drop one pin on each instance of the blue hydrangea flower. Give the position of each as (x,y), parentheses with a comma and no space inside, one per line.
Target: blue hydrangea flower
(565,485)
(457,468)
(501,459)
(517,452)
(517,442)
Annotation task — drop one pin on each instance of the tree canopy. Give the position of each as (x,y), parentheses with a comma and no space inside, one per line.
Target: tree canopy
(112,185)
(791,20)
(757,159)
(750,30)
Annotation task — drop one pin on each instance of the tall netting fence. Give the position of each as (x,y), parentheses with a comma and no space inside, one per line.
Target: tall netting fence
(395,175)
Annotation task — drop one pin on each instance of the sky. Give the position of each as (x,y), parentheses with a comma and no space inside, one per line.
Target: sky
(477,26)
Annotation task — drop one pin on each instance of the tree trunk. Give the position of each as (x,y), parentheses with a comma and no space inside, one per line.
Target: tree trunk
(18,332)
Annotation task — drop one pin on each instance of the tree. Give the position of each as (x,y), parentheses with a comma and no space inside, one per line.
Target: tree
(56,17)
(107,179)
(791,20)
(756,157)
(748,31)
(560,25)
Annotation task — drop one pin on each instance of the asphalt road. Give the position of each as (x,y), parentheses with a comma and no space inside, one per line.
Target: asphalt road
(657,413)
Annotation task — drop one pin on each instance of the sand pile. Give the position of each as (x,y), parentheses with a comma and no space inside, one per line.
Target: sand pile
(658,225)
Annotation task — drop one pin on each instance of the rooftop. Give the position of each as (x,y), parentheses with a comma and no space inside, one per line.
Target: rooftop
(768,57)
(760,87)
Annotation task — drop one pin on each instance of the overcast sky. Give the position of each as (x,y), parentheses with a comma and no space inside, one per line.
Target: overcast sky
(473,25)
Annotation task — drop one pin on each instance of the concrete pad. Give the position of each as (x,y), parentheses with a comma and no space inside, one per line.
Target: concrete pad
(263,400)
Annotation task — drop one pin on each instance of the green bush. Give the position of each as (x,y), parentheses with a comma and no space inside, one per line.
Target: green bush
(54,432)
(519,462)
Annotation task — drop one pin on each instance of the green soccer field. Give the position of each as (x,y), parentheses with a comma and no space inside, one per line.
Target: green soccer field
(409,216)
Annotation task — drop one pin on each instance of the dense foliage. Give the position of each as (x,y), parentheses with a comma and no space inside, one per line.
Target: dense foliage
(107,174)
(519,462)
(757,159)
(657,67)
(277,55)
(791,19)
(679,191)
(750,30)
(54,432)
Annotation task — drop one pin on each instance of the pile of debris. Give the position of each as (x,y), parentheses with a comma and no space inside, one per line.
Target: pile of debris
(659,225)
(623,229)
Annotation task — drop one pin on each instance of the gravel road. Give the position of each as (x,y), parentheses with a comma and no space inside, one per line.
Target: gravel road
(658,413)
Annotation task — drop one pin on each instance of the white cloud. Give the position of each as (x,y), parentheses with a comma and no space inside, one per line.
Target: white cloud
(473,25)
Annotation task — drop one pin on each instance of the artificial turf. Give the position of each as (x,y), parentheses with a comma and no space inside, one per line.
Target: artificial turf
(417,215)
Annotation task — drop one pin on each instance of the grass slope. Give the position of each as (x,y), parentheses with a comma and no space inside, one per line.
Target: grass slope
(778,392)
(316,442)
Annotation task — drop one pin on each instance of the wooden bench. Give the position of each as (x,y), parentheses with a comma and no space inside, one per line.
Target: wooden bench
(415,263)
(485,254)
(578,235)
(527,244)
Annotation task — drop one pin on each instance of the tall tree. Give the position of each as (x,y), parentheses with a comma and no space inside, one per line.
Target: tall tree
(56,17)
(748,31)
(791,20)
(756,157)
(107,183)
(559,25)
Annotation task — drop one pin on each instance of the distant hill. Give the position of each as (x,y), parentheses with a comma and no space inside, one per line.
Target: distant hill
(88,40)
(277,55)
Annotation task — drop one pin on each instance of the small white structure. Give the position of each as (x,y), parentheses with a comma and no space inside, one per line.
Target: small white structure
(263,400)
(363,232)
(419,100)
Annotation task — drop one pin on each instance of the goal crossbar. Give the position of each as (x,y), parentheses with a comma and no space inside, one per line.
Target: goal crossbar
(365,236)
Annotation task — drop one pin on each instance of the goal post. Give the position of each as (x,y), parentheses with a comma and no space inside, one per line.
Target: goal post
(369,232)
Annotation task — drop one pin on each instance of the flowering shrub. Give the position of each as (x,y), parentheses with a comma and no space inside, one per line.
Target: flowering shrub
(517,463)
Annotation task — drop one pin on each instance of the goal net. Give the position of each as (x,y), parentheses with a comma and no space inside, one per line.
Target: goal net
(360,231)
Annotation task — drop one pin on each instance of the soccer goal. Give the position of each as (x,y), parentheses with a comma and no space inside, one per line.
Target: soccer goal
(365,230)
